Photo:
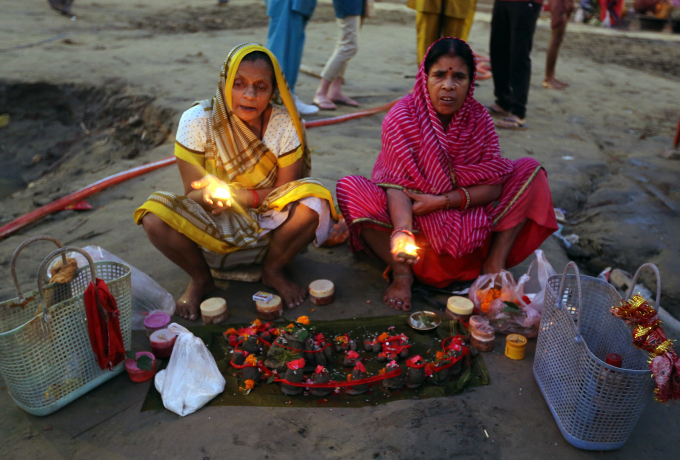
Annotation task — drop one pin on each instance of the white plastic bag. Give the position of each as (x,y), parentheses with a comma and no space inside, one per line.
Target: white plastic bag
(147,295)
(191,378)
(532,285)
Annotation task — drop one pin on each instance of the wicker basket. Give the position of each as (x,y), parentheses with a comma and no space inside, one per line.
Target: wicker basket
(595,405)
(46,358)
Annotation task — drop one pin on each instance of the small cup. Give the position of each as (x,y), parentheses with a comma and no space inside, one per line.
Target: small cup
(515,346)
(162,343)
(269,311)
(476,321)
(155,321)
(214,310)
(322,292)
(483,338)
(140,375)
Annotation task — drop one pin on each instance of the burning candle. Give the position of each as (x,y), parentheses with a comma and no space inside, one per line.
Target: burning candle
(411,249)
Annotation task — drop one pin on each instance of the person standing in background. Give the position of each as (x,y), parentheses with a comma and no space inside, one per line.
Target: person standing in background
(560,12)
(436,19)
(513,23)
(286,39)
(348,14)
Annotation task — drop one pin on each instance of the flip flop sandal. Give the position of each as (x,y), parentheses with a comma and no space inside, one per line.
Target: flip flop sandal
(324,105)
(496,113)
(343,102)
(511,124)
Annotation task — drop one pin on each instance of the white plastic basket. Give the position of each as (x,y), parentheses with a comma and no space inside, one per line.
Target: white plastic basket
(46,359)
(595,405)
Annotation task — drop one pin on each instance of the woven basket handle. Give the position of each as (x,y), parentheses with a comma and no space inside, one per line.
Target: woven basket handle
(560,293)
(658,282)
(21,247)
(43,269)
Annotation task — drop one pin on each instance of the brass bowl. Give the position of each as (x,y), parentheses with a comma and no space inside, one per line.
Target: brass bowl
(436,320)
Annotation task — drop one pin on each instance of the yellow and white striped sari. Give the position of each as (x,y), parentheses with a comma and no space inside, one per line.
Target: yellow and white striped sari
(235,155)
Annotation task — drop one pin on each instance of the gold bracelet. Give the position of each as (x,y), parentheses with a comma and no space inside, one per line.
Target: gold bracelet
(464,191)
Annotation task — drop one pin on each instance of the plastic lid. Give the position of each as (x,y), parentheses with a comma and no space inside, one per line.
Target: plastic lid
(477,320)
(213,306)
(162,335)
(516,340)
(483,332)
(321,288)
(274,303)
(157,320)
(614,359)
(460,305)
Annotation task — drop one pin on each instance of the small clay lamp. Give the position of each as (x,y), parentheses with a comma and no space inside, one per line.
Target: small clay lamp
(162,343)
(321,292)
(269,311)
(358,373)
(321,375)
(294,374)
(415,372)
(393,383)
(351,359)
(214,310)
(251,345)
(252,371)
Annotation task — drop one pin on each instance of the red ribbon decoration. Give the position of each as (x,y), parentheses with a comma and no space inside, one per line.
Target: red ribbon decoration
(350,383)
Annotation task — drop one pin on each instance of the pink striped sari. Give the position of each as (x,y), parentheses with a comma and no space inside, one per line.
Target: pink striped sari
(418,154)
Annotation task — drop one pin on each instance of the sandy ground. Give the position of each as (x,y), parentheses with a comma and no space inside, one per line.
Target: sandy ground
(107,97)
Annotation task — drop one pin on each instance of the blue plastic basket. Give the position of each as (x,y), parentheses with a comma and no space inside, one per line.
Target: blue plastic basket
(595,405)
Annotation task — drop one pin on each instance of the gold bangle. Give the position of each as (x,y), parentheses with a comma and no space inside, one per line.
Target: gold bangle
(464,191)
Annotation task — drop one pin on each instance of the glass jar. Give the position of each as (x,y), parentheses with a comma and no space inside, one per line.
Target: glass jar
(459,308)
(476,321)
(483,338)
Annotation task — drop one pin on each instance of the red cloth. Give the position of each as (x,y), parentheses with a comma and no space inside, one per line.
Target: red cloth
(418,154)
(105,335)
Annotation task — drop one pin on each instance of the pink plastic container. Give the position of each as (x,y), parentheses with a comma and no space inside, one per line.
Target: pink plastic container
(162,343)
(156,321)
(139,375)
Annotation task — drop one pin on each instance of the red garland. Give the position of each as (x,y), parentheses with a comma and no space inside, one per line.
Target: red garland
(350,383)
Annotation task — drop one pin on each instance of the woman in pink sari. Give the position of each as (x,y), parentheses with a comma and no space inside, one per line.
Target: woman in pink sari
(440,183)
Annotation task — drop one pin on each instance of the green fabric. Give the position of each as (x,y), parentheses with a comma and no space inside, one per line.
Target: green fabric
(474,371)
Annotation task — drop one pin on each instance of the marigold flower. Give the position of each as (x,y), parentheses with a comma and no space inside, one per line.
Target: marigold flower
(382,337)
(349,377)
(251,360)
(250,384)
(341,339)
(290,326)
(382,371)
(231,331)
(441,355)
(303,320)
(275,332)
(256,323)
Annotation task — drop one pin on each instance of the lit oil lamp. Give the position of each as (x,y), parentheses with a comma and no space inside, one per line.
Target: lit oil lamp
(410,252)
(222,193)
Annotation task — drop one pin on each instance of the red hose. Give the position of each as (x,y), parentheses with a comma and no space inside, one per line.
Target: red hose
(58,205)
(676,141)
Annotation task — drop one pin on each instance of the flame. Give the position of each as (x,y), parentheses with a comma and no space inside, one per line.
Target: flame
(411,249)
(222,193)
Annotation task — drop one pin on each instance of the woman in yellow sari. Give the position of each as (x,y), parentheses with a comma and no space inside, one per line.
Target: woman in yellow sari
(244,162)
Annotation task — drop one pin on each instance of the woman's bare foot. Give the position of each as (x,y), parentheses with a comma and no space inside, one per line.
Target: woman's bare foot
(398,295)
(188,305)
(554,83)
(292,294)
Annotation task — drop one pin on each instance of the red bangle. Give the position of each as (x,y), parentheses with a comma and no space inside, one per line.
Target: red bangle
(256,198)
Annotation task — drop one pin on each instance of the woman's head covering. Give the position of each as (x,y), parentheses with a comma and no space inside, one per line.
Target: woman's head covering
(238,149)
(418,154)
